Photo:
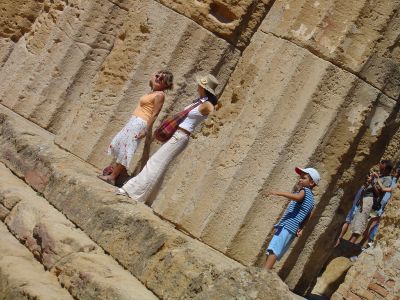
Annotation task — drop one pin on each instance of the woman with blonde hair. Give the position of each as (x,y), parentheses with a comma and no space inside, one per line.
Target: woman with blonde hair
(123,146)
(141,186)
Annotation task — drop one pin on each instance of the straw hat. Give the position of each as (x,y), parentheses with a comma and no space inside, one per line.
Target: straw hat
(208,82)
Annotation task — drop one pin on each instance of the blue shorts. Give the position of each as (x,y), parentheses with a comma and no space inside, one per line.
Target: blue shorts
(280,242)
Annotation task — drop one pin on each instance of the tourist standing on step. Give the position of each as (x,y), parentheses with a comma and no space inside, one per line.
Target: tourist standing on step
(356,203)
(379,207)
(141,186)
(123,146)
(295,217)
(373,193)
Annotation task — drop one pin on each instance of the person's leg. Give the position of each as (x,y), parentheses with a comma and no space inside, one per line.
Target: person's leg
(342,233)
(370,226)
(123,146)
(114,175)
(118,169)
(373,232)
(278,246)
(141,186)
(360,220)
(271,259)
(354,237)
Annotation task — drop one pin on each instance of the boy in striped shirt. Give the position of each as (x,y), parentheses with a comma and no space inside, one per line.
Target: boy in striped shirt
(295,217)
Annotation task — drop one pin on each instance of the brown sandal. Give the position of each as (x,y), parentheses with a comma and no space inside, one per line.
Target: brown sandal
(106,179)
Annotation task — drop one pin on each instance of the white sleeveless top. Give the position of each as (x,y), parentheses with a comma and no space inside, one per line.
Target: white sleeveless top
(193,119)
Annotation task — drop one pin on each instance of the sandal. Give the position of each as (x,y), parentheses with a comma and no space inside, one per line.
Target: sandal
(106,179)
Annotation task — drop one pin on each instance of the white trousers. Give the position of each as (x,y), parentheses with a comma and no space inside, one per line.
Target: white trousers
(141,186)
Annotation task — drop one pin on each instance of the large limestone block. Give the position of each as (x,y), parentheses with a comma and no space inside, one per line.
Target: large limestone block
(283,107)
(359,36)
(84,65)
(21,276)
(80,265)
(225,286)
(98,276)
(171,263)
(334,274)
(236,21)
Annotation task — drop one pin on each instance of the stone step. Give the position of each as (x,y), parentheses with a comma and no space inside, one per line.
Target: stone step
(167,261)
(21,276)
(80,265)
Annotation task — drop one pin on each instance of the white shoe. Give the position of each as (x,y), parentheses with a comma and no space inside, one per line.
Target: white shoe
(121,191)
(353,258)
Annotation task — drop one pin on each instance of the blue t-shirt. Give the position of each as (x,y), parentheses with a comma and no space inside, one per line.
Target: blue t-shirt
(297,212)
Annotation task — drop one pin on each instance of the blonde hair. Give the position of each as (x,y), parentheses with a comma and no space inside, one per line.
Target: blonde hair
(168,79)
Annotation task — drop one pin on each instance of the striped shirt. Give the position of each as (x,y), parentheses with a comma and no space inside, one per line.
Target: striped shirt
(297,212)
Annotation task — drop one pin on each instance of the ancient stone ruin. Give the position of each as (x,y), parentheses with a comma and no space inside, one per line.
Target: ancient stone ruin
(302,82)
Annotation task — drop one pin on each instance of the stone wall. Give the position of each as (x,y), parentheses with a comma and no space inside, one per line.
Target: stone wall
(301,83)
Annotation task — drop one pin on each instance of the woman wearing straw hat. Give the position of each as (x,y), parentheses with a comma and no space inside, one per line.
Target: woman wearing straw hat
(141,186)
(123,146)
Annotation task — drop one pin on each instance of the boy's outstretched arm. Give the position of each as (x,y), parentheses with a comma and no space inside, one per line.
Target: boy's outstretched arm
(295,197)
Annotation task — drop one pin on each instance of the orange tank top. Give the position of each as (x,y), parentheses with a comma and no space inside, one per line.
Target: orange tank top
(145,108)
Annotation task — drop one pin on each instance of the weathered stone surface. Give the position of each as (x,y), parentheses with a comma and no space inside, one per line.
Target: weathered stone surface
(6,46)
(169,262)
(80,265)
(251,282)
(11,195)
(97,276)
(3,212)
(333,275)
(17,17)
(360,36)
(233,20)
(81,69)
(389,232)
(21,276)
(44,231)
